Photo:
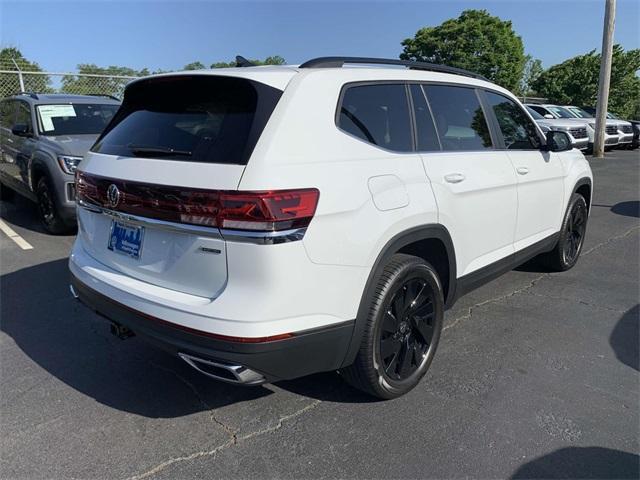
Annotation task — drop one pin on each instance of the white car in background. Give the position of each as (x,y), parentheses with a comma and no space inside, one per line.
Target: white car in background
(577,131)
(549,111)
(625,129)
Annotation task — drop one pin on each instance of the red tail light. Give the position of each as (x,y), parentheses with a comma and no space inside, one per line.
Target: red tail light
(257,211)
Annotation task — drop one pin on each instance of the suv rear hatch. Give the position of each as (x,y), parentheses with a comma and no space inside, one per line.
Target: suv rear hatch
(149,190)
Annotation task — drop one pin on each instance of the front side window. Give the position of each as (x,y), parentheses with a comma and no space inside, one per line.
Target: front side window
(23,115)
(74,118)
(459,118)
(534,114)
(518,132)
(378,114)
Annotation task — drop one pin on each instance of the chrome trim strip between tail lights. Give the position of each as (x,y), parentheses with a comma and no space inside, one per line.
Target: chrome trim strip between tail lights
(259,238)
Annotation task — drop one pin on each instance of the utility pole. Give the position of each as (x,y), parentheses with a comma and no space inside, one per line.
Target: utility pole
(605,77)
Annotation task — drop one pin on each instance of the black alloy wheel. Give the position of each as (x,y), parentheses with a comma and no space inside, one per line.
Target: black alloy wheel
(575,229)
(402,320)
(407,329)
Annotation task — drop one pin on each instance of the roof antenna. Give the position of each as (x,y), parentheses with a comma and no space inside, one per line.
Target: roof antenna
(243,62)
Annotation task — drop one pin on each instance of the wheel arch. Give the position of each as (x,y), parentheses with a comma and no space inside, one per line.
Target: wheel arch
(584,187)
(38,167)
(429,242)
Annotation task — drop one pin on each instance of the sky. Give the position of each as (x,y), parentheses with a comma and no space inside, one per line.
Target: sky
(167,34)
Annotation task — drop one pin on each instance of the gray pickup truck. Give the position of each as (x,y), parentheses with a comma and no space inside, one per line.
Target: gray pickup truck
(43,138)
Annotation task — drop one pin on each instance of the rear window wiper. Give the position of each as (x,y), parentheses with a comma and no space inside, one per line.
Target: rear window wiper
(142,150)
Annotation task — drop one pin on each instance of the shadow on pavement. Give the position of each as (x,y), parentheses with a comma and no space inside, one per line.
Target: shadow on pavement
(582,462)
(74,345)
(626,209)
(23,213)
(624,338)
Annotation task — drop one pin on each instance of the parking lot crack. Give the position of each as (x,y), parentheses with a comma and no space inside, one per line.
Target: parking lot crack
(231,442)
(470,310)
(573,300)
(611,239)
(210,409)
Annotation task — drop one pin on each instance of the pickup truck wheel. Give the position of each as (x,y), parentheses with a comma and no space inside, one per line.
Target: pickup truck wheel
(48,209)
(574,226)
(402,330)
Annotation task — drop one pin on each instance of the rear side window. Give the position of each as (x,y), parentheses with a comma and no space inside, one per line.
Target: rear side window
(427,138)
(459,118)
(194,118)
(518,131)
(378,114)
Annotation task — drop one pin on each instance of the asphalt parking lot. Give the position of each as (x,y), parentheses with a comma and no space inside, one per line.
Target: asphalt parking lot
(537,375)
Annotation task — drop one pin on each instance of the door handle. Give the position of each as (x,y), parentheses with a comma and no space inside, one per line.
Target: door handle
(454,177)
(522,170)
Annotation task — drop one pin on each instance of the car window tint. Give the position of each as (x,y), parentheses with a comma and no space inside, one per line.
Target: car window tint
(427,138)
(518,132)
(23,115)
(378,114)
(459,118)
(7,113)
(193,118)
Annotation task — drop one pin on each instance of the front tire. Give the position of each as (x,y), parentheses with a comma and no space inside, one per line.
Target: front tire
(574,226)
(48,208)
(402,329)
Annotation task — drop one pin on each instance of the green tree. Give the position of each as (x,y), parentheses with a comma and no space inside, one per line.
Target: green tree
(9,83)
(532,70)
(474,41)
(273,60)
(194,66)
(575,81)
(112,83)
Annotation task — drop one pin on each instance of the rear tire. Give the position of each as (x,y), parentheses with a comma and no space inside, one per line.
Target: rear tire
(48,208)
(402,329)
(574,226)
(6,193)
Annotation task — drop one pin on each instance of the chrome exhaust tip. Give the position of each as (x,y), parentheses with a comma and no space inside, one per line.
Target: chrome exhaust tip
(224,372)
(73,291)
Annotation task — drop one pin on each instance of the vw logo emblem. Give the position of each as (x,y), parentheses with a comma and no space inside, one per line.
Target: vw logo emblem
(113,196)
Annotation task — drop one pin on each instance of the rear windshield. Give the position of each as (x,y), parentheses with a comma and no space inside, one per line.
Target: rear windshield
(74,118)
(210,119)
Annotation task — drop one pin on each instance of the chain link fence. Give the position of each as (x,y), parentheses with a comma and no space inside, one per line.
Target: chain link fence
(13,81)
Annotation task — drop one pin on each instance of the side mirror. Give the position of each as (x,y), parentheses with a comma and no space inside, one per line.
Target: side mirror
(558,141)
(21,130)
(549,116)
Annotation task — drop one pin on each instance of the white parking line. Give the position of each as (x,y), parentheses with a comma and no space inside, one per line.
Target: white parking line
(21,242)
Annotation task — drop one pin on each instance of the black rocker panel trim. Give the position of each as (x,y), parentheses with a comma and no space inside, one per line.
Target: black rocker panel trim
(492,271)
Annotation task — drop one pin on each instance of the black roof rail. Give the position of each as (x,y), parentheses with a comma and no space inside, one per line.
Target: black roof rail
(337,62)
(31,94)
(106,95)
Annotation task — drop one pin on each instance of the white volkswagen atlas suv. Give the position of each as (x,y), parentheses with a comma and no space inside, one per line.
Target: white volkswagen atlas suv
(265,223)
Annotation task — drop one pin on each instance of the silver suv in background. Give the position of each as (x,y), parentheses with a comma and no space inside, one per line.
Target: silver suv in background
(43,138)
(577,132)
(625,129)
(549,111)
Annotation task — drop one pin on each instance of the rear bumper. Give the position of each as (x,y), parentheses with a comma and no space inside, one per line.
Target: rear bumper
(306,352)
